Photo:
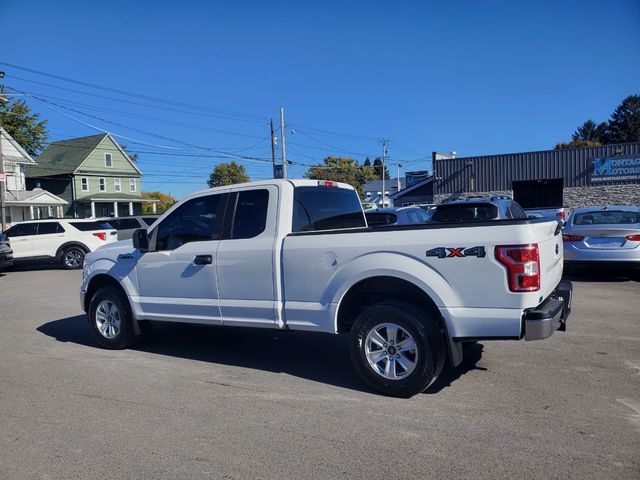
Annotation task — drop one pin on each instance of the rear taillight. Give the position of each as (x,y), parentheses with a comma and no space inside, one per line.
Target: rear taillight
(100,235)
(572,238)
(560,214)
(633,238)
(523,266)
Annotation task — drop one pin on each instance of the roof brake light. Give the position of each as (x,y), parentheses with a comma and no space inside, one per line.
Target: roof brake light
(326,183)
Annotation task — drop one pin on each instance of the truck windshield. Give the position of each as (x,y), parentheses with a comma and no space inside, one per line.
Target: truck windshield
(326,208)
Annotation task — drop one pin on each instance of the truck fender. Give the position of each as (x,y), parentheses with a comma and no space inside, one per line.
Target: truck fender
(105,267)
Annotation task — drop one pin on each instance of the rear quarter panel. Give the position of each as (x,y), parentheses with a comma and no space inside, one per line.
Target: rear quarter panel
(320,268)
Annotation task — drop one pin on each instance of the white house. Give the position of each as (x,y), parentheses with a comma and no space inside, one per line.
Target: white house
(20,203)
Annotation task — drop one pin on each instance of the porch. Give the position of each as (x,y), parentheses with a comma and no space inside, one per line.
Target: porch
(113,206)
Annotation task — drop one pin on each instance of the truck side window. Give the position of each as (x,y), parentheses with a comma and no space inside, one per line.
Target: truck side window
(326,208)
(197,220)
(250,218)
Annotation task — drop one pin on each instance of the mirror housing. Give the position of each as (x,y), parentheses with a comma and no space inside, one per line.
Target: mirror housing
(141,240)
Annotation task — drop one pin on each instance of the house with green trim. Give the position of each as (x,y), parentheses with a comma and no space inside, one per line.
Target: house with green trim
(94,174)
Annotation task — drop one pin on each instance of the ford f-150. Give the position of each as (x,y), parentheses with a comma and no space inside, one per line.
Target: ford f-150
(298,255)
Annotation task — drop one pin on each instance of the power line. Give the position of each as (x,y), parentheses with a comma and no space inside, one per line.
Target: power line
(135,95)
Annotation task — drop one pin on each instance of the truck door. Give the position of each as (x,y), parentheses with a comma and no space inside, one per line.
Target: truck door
(177,277)
(246,258)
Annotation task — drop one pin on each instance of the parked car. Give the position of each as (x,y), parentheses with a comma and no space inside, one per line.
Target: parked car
(603,236)
(547,212)
(58,240)
(478,209)
(297,255)
(6,254)
(127,225)
(383,217)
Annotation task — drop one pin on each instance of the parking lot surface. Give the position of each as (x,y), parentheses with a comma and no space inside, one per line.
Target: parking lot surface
(200,402)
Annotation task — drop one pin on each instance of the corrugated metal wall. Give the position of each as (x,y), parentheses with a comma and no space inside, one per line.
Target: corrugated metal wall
(496,172)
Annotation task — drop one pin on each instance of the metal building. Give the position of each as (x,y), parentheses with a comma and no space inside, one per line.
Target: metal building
(576,177)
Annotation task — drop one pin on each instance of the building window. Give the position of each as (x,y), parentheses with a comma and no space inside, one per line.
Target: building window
(103,184)
(107,160)
(132,184)
(116,184)
(84,184)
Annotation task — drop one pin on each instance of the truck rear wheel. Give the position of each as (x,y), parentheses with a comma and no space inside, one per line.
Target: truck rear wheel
(110,319)
(396,349)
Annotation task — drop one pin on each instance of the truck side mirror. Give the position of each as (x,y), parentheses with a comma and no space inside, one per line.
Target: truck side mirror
(141,240)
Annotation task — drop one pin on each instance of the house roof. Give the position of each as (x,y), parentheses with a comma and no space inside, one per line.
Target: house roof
(400,193)
(390,185)
(12,151)
(115,197)
(64,156)
(37,196)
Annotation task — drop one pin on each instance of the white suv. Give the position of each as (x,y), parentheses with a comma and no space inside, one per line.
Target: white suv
(59,240)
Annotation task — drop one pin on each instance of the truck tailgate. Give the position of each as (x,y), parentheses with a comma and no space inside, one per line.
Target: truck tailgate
(548,236)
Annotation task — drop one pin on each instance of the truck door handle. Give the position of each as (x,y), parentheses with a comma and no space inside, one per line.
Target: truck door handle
(203,260)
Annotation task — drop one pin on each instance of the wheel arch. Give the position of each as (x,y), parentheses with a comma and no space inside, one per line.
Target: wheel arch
(384,288)
(104,280)
(64,246)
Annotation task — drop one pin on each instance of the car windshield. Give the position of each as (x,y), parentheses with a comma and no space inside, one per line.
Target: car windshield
(606,217)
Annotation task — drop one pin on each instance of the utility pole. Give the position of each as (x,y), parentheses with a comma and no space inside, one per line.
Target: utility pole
(273,148)
(385,152)
(398,176)
(3,179)
(284,148)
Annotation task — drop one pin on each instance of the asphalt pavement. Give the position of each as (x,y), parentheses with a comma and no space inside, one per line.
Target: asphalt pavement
(194,402)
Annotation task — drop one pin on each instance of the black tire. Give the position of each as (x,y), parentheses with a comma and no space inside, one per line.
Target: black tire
(72,257)
(429,346)
(125,336)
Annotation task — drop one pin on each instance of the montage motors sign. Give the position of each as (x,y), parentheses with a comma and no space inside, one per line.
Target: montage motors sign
(615,170)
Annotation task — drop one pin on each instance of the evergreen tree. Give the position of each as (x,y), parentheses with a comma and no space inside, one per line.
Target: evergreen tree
(590,131)
(624,126)
(377,166)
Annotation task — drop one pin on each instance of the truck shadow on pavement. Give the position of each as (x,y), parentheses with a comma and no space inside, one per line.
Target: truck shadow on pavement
(318,357)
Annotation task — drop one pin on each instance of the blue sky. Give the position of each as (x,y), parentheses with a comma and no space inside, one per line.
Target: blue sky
(471,76)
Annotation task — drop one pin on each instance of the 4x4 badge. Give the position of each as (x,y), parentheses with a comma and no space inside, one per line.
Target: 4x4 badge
(456,252)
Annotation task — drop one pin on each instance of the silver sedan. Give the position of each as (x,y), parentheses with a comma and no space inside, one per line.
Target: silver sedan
(603,236)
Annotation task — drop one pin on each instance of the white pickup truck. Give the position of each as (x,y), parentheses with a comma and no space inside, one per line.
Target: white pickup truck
(297,255)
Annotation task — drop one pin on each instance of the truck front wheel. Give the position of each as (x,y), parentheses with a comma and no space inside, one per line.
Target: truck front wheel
(110,319)
(395,348)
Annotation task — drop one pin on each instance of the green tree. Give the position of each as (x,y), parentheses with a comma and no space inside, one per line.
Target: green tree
(165,202)
(227,174)
(367,162)
(132,155)
(577,144)
(23,125)
(590,131)
(342,169)
(624,125)
(377,166)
